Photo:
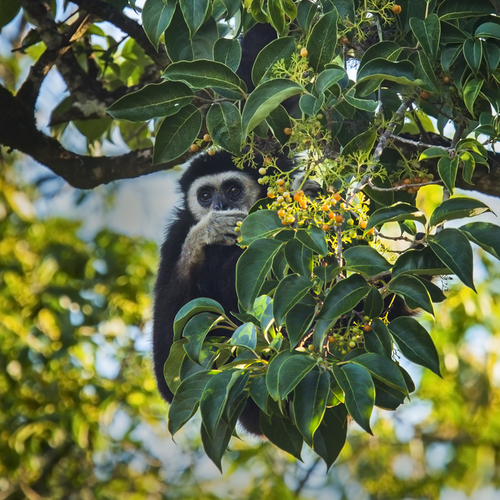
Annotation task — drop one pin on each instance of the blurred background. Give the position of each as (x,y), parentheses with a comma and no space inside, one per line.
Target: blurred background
(79,414)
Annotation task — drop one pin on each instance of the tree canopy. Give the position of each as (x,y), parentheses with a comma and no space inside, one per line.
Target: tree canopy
(381,103)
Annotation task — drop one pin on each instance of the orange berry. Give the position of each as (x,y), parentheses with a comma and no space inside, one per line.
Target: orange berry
(446,79)
(367,328)
(271,195)
(194,148)
(267,159)
(337,197)
(280,182)
(345,40)
(303,52)
(297,197)
(407,181)
(362,224)
(397,9)
(331,339)
(339,219)
(424,94)
(371,231)
(211,152)
(303,204)
(325,208)
(331,215)
(287,131)
(325,227)
(281,213)
(207,138)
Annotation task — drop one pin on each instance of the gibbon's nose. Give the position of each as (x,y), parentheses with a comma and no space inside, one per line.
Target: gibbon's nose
(219,203)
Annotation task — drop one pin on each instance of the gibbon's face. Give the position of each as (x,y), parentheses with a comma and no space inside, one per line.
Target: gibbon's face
(223,191)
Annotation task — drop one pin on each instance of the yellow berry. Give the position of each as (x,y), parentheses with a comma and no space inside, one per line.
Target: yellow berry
(303,52)
(287,131)
(211,152)
(207,138)
(397,9)
(262,171)
(194,148)
(362,224)
(280,182)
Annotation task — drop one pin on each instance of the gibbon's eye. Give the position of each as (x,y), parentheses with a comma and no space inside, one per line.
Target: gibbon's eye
(234,190)
(205,196)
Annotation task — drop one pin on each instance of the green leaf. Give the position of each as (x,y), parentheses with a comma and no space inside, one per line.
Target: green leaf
(387,397)
(213,400)
(186,400)
(314,238)
(322,41)
(273,371)
(421,262)
(484,234)
(488,30)
(398,212)
(413,291)
(289,292)
(258,225)
(172,367)
(473,53)
(195,331)
(428,33)
(278,120)
(464,8)
(245,336)
(363,104)
(327,78)
(457,208)
(326,273)
(330,436)
(366,260)
(415,343)
(378,339)
(252,268)
(202,73)
(156,16)
(282,433)
(277,50)
(471,92)
(454,250)
(192,308)
(434,152)
(299,320)
(362,143)
(309,402)
(383,368)
(152,101)
(264,99)
(194,12)
(299,257)
(374,303)
(228,52)
(344,297)
(224,126)
(359,391)
(310,105)
(305,14)
(402,72)
(292,371)
(258,392)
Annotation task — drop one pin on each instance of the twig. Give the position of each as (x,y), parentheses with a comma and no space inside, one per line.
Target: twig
(304,480)
(420,144)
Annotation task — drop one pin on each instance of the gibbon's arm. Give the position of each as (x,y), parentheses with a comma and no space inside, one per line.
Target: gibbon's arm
(180,276)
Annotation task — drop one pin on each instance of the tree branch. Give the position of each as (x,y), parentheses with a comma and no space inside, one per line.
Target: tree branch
(19,132)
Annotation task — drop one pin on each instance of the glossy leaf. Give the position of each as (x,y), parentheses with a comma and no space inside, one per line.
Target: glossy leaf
(258,392)
(488,30)
(378,339)
(278,120)
(457,208)
(383,368)
(344,297)
(454,250)
(299,257)
(374,303)
(412,290)
(292,371)
(281,48)
(330,436)
(484,234)
(245,336)
(264,99)
(289,292)
(314,238)
(473,53)
(471,93)
(397,212)
(421,262)
(195,331)
(156,16)
(273,371)
(427,32)
(176,134)
(366,260)
(309,402)
(260,224)
(192,308)
(415,343)
(327,78)
(228,51)
(252,268)
(186,400)
(194,12)
(402,72)
(322,41)
(359,392)
(224,126)
(282,433)
(300,319)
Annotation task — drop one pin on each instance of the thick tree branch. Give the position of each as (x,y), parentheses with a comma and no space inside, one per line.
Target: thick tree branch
(19,132)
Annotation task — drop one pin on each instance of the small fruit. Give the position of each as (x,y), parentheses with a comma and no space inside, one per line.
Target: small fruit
(207,138)
(446,79)
(262,171)
(367,328)
(331,215)
(194,148)
(362,224)
(325,208)
(211,152)
(345,40)
(303,52)
(337,197)
(339,219)
(325,227)
(397,9)
(287,131)
(280,182)
(424,94)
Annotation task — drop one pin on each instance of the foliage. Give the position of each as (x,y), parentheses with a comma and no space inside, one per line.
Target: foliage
(323,280)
